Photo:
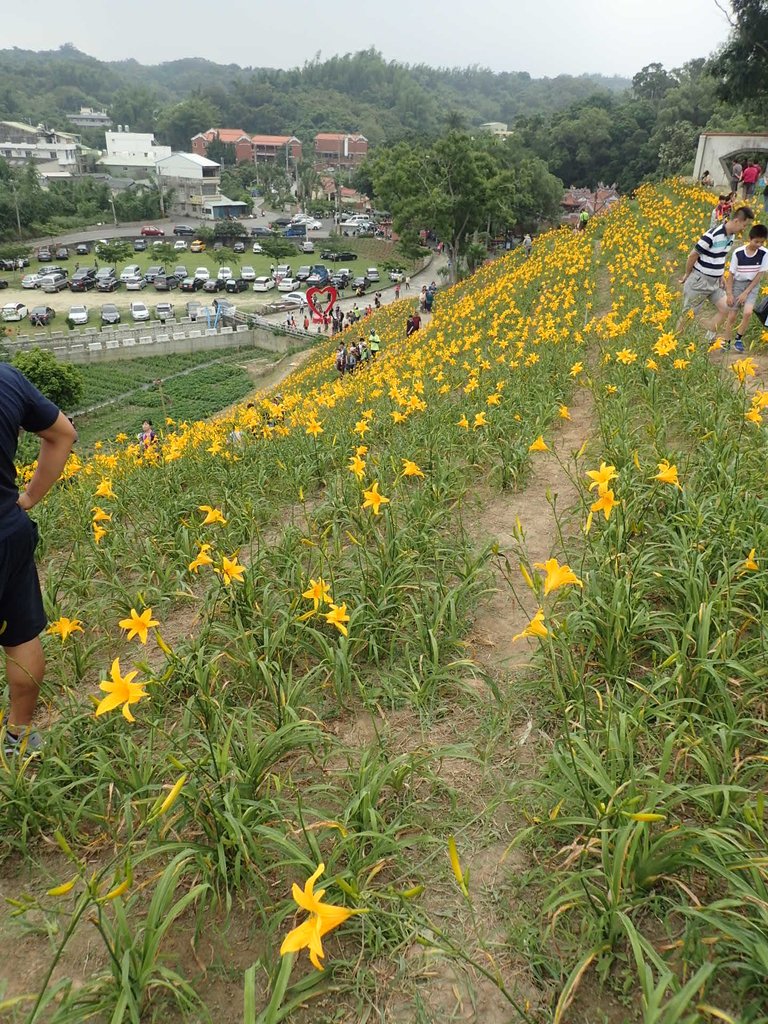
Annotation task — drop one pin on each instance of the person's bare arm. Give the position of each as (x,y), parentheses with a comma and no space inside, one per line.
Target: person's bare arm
(693,255)
(55,445)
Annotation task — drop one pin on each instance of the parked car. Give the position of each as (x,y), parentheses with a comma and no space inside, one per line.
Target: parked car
(248,273)
(152,231)
(257,248)
(135,283)
(165,282)
(191,284)
(183,229)
(307,246)
(104,272)
(282,270)
(236,284)
(139,245)
(213,284)
(288,284)
(372,274)
(295,231)
(396,275)
(339,280)
(139,311)
(132,270)
(345,255)
(180,272)
(224,273)
(260,232)
(41,316)
(152,272)
(52,283)
(294,299)
(197,246)
(164,310)
(78,315)
(238,247)
(303,273)
(202,273)
(31,280)
(320,275)
(263,284)
(82,249)
(44,255)
(280,222)
(193,310)
(107,284)
(83,280)
(180,246)
(359,284)
(62,253)
(110,314)
(14,311)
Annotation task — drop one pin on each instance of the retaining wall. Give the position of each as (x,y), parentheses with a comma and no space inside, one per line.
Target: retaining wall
(171,338)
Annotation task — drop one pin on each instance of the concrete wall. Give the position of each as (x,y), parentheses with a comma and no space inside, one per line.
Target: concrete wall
(156,339)
(716,151)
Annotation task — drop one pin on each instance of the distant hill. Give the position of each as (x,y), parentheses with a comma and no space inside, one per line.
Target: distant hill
(362,91)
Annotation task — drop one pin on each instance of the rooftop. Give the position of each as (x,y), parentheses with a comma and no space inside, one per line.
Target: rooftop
(193,158)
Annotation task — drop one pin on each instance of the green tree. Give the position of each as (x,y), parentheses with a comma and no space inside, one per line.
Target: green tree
(62,383)
(741,68)
(223,153)
(115,252)
(178,123)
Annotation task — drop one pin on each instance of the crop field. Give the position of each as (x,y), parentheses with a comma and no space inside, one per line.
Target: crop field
(443,685)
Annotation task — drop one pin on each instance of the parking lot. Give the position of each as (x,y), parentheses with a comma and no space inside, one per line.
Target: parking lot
(368,252)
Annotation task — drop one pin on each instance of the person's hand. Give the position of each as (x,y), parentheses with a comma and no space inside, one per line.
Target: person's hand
(729,300)
(682,280)
(741,299)
(25,502)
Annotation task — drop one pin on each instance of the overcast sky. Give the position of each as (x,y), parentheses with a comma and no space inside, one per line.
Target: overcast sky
(543,37)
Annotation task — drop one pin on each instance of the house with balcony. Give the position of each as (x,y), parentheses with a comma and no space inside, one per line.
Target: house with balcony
(56,153)
(282,149)
(90,118)
(340,149)
(193,186)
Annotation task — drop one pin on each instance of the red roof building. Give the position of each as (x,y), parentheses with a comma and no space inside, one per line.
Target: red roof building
(251,148)
(339,149)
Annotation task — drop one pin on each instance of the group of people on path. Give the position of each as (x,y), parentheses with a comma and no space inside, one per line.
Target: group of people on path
(732,296)
(359,353)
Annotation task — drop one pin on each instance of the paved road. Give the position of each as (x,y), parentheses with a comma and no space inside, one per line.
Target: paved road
(132,230)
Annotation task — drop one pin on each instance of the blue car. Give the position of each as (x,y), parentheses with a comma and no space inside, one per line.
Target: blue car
(295,231)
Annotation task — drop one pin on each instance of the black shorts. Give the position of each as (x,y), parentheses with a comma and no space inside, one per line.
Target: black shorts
(22,617)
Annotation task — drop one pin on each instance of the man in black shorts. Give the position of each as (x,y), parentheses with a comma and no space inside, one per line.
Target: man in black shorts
(22,618)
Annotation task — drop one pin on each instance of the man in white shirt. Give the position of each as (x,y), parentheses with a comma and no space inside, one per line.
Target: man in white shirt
(749,264)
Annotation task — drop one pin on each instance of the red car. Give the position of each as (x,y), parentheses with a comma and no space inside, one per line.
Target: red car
(150,229)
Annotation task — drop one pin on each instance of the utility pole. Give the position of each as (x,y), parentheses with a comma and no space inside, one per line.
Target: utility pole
(16,206)
(160,190)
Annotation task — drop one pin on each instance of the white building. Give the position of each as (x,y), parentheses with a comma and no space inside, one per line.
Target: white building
(58,151)
(90,118)
(133,154)
(196,184)
(497,128)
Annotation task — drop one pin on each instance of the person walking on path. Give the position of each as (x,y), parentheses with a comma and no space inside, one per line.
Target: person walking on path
(749,177)
(749,264)
(407,283)
(704,269)
(736,169)
(22,407)
(527,244)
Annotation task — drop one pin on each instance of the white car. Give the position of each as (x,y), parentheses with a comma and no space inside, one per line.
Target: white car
(78,315)
(372,273)
(287,284)
(281,270)
(257,247)
(180,245)
(202,274)
(14,311)
(31,281)
(295,298)
(308,246)
(132,270)
(135,283)
(264,284)
(247,273)
(224,274)
(139,311)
